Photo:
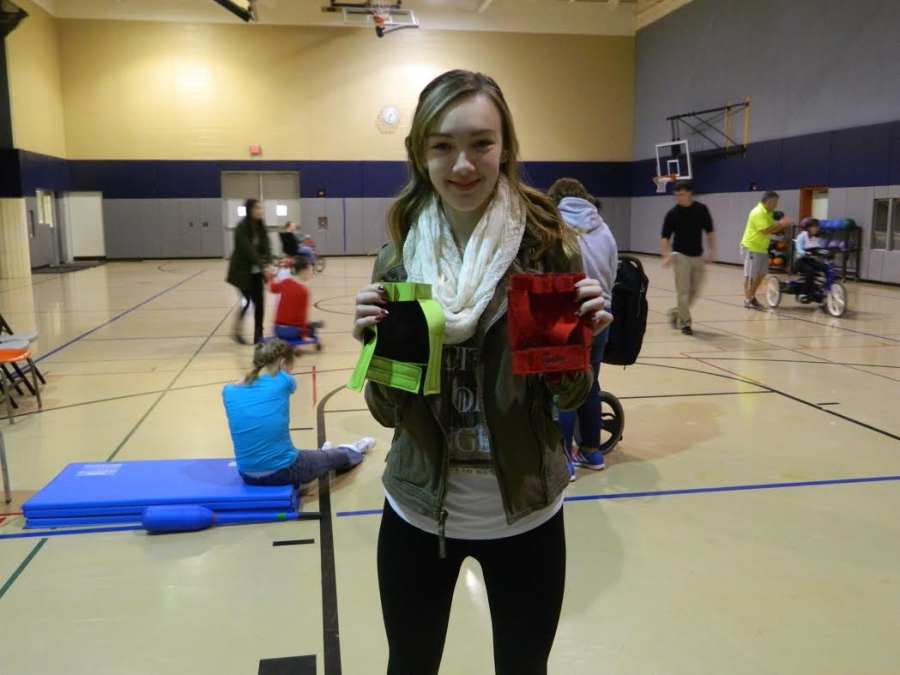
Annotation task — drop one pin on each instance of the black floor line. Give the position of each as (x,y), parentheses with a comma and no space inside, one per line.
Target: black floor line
(846,418)
(330,625)
(332,647)
(169,388)
(318,305)
(830,403)
(709,356)
(621,398)
(165,391)
(711,393)
(293,542)
(290,665)
(815,356)
(21,568)
(799,318)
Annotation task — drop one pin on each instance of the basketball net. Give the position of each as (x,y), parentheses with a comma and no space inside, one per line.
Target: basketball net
(381,13)
(662,182)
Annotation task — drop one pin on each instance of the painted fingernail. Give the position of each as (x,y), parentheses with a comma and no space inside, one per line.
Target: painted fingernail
(379,319)
(384,313)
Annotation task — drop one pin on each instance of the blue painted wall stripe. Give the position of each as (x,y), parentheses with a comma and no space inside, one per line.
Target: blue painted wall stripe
(855,157)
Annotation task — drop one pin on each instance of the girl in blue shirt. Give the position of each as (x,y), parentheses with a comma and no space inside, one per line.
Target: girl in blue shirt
(258,411)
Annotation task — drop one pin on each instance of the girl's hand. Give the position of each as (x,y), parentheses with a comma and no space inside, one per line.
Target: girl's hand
(370,309)
(593,304)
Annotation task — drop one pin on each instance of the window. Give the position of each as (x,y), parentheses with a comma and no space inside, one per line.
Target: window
(886,224)
(45,207)
(893,239)
(880,220)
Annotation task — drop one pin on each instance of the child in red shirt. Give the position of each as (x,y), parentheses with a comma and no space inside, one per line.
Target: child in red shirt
(290,319)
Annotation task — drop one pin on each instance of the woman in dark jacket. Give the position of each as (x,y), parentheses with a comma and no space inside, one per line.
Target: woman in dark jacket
(252,254)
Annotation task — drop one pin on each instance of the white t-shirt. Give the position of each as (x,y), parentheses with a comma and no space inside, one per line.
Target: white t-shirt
(473,501)
(804,243)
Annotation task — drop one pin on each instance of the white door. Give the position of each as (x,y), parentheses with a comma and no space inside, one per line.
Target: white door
(86,224)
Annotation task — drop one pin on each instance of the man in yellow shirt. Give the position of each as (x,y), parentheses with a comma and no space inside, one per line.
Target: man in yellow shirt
(761,225)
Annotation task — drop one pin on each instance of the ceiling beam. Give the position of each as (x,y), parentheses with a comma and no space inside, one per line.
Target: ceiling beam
(653,10)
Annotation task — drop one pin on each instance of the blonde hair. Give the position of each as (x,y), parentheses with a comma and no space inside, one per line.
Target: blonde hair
(542,218)
(266,354)
(568,187)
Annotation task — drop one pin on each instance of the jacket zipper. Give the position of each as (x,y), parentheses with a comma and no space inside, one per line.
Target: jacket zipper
(442,512)
(442,540)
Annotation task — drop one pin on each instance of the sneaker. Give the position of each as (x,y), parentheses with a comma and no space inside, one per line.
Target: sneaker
(687,330)
(362,446)
(327,446)
(589,460)
(357,452)
(572,475)
(752,304)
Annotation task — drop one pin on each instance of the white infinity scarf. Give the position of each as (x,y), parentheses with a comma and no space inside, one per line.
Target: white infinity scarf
(464,285)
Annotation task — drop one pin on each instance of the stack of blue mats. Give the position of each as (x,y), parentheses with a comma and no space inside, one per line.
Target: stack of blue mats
(103,494)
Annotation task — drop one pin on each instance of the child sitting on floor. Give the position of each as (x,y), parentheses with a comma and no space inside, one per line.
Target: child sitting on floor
(290,319)
(258,411)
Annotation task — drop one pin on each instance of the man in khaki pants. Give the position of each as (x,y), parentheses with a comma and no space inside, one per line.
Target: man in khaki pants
(682,247)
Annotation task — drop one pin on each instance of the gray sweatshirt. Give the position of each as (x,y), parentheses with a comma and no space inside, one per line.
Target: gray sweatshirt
(598,246)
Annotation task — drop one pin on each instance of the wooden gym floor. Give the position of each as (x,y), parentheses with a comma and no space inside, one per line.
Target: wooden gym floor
(747,523)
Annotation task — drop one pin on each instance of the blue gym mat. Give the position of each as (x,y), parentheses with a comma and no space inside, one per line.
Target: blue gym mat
(86,494)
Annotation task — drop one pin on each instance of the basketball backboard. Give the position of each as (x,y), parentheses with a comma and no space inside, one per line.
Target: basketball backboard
(674,159)
(383,17)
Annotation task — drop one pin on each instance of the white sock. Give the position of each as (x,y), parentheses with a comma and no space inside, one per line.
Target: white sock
(362,446)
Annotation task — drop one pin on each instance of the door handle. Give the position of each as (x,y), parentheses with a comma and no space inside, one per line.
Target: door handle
(205,223)
(190,223)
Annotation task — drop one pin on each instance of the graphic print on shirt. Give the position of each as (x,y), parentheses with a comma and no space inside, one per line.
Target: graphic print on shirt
(470,448)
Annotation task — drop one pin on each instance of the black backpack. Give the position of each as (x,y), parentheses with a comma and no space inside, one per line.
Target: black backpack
(629,310)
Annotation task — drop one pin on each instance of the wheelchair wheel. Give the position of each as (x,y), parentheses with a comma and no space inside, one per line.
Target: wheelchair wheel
(612,418)
(836,300)
(612,423)
(319,267)
(773,291)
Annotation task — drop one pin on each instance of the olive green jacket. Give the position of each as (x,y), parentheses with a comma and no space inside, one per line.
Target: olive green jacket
(526,444)
(246,256)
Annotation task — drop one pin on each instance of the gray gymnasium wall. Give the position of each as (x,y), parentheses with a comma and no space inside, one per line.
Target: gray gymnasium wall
(729,211)
(161,228)
(616,212)
(807,65)
(158,228)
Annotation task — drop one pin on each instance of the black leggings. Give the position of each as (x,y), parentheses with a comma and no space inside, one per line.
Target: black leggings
(525,577)
(255,296)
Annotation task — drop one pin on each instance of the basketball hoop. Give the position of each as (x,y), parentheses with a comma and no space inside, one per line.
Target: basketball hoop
(381,14)
(662,182)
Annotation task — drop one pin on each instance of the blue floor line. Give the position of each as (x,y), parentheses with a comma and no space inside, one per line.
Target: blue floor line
(691,491)
(115,318)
